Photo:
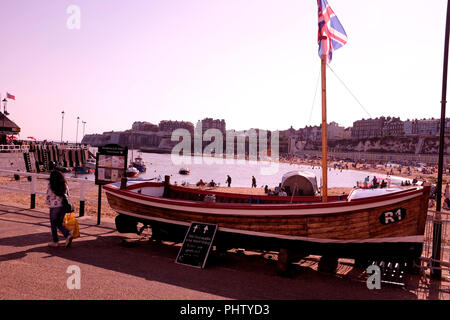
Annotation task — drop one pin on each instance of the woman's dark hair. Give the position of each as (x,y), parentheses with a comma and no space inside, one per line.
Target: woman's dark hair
(58,183)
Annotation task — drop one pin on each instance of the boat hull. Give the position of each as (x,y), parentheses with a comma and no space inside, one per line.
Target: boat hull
(340,228)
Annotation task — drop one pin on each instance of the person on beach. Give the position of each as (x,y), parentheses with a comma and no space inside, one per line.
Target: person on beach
(56,190)
(374,182)
(447,204)
(253,182)
(228,180)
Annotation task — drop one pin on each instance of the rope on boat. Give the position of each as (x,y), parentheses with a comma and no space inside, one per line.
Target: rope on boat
(314,99)
(342,82)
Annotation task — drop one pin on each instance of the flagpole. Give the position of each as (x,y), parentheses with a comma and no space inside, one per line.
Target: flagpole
(324,130)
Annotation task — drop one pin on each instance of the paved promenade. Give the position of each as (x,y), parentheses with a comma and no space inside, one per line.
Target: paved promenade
(109,269)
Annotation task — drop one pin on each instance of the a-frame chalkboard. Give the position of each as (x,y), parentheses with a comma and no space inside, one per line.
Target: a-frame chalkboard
(197,244)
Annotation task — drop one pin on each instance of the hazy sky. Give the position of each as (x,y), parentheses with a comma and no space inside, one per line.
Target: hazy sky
(253,63)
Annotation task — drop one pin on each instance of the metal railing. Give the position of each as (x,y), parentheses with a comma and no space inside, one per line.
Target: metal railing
(83,184)
(428,262)
(14,148)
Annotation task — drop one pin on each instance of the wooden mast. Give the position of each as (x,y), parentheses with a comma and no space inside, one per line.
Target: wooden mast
(323,59)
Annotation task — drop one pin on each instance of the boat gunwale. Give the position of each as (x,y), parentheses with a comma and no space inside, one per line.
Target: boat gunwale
(419,191)
(235,195)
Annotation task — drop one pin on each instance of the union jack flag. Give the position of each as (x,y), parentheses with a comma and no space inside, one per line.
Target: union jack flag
(332,35)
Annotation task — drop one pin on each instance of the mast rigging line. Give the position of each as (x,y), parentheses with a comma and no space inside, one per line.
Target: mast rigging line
(354,97)
(314,99)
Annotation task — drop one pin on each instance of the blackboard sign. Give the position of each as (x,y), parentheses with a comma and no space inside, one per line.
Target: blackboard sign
(111,164)
(197,244)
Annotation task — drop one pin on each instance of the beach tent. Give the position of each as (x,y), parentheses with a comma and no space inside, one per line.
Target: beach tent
(300,183)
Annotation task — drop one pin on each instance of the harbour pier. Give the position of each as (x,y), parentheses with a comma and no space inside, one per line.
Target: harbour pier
(42,157)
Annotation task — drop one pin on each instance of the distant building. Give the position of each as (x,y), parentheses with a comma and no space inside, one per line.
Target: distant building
(287,133)
(348,133)
(314,133)
(334,131)
(447,126)
(393,127)
(428,127)
(410,127)
(368,128)
(144,126)
(209,123)
(169,126)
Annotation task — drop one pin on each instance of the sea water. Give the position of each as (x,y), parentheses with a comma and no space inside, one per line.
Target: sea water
(267,173)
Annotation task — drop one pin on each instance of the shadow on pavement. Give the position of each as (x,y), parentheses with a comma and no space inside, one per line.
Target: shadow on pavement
(229,275)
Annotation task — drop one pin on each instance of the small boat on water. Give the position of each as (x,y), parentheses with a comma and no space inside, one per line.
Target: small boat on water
(184,171)
(63,169)
(132,172)
(139,164)
(90,163)
(82,170)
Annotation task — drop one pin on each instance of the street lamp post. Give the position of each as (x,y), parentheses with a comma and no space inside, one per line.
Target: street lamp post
(62,125)
(84,124)
(5,112)
(76,139)
(4,115)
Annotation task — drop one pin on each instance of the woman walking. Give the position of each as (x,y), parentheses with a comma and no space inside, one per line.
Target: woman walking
(56,190)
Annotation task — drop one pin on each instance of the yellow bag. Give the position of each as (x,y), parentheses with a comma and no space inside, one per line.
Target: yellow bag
(71,224)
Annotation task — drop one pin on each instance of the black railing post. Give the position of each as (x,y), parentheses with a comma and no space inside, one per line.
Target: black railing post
(437,227)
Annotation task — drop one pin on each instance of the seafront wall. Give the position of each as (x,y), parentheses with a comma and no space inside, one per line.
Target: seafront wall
(12,161)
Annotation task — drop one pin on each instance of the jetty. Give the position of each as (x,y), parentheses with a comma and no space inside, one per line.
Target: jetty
(43,156)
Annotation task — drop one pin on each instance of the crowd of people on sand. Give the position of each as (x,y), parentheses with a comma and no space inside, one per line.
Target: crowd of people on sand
(278,191)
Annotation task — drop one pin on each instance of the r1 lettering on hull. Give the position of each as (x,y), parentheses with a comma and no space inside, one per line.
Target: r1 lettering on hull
(392,216)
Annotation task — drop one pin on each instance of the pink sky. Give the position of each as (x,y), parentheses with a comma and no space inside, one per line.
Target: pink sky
(253,63)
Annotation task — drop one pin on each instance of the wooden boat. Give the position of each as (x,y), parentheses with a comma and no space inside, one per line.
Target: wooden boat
(387,225)
(364,224)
